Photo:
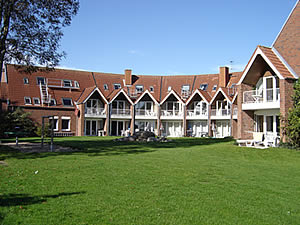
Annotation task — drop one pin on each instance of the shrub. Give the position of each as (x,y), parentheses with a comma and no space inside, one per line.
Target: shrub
(293,120)
(17,118)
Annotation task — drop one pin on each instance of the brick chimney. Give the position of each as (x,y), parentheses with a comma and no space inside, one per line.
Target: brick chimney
(223,76)
(128,77)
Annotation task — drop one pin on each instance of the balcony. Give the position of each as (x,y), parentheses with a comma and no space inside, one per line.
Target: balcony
(193,113)
(171,113)
(62,83)
(95,112)
(120,112)
(220,112)
(265,99)
(142,112)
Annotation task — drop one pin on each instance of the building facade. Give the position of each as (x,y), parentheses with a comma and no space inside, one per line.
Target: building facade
(216,105)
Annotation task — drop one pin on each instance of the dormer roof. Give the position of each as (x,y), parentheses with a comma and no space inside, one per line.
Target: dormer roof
(172,92)
(203,94)
(88,92)
(223,91)
(116,93)
(143,94)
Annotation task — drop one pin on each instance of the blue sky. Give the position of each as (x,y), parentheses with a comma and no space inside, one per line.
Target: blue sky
(170,37)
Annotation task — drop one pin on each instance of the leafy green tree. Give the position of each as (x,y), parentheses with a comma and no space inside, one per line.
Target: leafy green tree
(293,126)
(17,118)
(31,30)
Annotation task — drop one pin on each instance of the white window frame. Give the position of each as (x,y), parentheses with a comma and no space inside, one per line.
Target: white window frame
(37,80)
(105,86)
(36,98)
(52,99)
(151,89)
(185,87)
(118,86)
(28,98)
(55,124)
(139,88)
(26,80)
(67,81)
(76,84)
(69,124)
(203,87)
(62,100)
(169,88)
(214,88)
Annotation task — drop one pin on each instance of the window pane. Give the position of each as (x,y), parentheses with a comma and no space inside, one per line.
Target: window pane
(67,102)
(270,123)
(65,124)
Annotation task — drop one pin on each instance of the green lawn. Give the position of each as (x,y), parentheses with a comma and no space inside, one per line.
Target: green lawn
(187,181)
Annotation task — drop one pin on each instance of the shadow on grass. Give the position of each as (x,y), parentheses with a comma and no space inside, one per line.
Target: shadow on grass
(25,199)
(107,147)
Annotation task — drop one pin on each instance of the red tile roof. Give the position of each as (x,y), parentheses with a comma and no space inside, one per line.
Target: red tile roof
(287,42)
(86,92)
(89,80)
(276,62)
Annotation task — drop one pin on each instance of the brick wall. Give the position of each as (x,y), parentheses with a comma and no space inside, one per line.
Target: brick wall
(245,118)
(286,92)
(37,113)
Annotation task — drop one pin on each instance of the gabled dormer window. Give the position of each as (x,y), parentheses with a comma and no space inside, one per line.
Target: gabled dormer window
(117,86)
(40,80)
(27,100)
(67,83)
(203,87)
(139,88)
(105,87)
(26,81)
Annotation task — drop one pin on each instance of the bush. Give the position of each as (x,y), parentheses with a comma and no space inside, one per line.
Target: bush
(47,132)
(17,118)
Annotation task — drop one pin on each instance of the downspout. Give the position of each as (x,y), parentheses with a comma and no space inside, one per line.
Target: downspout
(94,79)
(193,83)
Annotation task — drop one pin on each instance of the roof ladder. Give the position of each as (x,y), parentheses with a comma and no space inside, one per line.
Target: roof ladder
(45,97)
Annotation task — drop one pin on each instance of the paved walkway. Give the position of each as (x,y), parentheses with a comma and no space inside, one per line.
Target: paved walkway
(28,147)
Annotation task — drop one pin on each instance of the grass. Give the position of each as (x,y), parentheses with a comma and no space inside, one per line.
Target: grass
(187,181)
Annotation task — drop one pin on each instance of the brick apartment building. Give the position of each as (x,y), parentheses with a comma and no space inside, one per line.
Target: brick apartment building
(218,105)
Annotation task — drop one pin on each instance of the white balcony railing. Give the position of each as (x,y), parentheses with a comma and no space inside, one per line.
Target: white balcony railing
(95,111)
(120,112)
(255,96)
(220,112)
(61,83)
(171,113)
(193,112)
(142,112)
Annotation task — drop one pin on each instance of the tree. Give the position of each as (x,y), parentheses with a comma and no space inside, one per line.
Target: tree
(17,118)
(293,120)
(31,30)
